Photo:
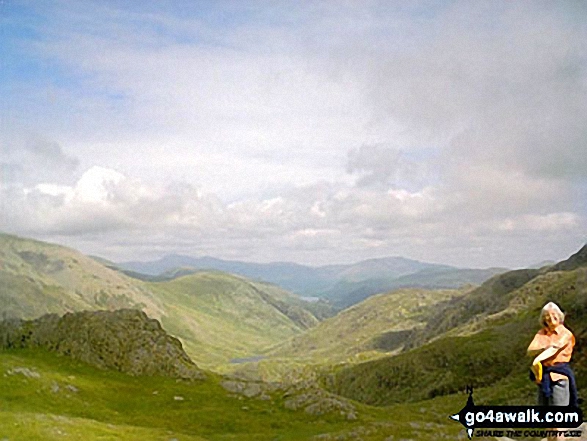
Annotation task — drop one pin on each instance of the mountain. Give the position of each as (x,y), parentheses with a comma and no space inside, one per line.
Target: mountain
(221,317)
(495,295)
(217,316)
(345,294)
(423,347)
(479,339)
(37,278)
(391,267)
(577,260)
(291,276)
(371,328)
(342,285)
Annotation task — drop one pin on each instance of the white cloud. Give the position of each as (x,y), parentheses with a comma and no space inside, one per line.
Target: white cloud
(442,131)
(549,222)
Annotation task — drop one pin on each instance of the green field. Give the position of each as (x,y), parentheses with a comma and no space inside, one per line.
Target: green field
(47,397)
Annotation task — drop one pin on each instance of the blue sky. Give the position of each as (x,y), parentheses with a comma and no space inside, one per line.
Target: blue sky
(316,132)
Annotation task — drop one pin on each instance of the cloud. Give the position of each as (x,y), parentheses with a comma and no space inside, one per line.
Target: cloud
(549,222)
(104,200)
(441,131)
(509,92)
(30,158)
(126,215)
(384,166)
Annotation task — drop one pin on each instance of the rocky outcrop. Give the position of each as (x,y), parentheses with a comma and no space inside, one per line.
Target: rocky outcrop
(305,396)
(316,401)
(125,340)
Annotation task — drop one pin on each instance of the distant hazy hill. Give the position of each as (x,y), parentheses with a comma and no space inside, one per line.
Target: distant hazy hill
(479,339)
(343,285)
(344,294)
(217,316)
(298,278)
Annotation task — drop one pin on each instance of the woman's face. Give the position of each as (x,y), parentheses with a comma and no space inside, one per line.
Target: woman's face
(551,319)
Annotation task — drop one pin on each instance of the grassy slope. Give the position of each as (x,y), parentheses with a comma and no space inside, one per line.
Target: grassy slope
(37,278)
(70,400)
(220,317)
(365,329)
(482,350)
(217,316)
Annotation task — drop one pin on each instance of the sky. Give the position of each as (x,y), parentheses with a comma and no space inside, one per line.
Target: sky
(314,132)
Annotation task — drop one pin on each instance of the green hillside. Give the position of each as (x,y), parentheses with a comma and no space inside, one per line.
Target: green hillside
(495,295)
(60,379)
(217,316)
(38,278)
(220,317)
(371,328)
(481,340)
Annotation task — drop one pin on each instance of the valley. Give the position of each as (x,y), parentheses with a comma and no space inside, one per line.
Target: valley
(392,365)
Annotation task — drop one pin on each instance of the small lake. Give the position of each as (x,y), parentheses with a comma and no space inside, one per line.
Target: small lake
(247,359)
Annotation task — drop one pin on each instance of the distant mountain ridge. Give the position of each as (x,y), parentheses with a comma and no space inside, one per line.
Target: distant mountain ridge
(344,285)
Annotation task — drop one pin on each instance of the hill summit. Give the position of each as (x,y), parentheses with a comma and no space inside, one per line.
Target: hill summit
(577,260)
(125,340)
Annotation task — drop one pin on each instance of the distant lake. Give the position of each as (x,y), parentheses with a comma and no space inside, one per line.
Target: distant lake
(247,359)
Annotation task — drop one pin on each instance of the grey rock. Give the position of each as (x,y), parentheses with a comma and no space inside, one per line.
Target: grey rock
(125,340)
(317,401)
(235,387)
(72,388)
(28,373)
(247,389)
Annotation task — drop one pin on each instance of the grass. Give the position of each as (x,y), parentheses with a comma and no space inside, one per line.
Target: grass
(355,334)
(219,317)
(61,399)
(48,427)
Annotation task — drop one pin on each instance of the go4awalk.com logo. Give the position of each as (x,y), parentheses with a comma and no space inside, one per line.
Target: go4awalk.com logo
(478,420)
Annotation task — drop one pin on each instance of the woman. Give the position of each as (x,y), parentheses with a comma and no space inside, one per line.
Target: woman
(554,345)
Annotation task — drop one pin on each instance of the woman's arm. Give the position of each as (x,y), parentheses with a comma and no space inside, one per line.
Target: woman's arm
(547,353)
(551,350)
(538,344)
